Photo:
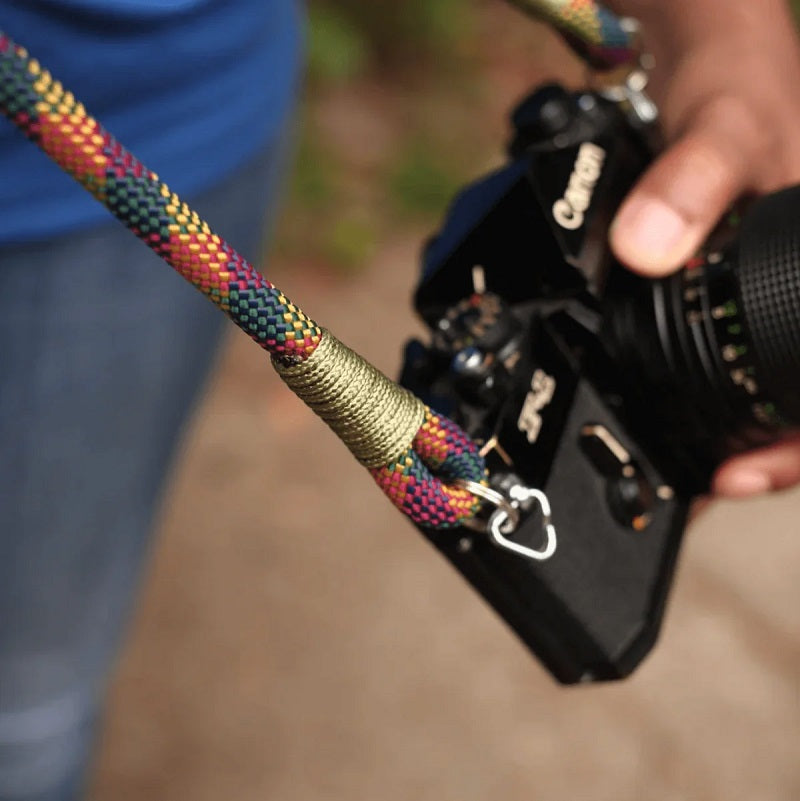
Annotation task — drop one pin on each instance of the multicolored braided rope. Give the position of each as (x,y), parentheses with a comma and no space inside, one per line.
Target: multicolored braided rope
(595,33)
(411,452)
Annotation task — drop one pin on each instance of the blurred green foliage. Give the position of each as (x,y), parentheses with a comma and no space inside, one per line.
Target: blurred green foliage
(351,241)
(338,49)
(410,56)
(314,177)
(422,180)
(362,34)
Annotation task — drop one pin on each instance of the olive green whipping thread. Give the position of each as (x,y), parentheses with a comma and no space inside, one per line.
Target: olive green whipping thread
(374,417)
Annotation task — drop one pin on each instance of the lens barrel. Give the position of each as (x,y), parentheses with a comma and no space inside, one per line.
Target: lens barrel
(712,353)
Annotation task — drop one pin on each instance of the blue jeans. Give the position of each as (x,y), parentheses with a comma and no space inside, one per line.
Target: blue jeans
(102,352)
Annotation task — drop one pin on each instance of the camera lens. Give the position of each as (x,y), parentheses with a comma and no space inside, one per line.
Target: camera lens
(715,349)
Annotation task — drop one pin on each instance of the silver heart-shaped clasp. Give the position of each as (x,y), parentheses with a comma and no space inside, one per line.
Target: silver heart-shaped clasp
(500,520)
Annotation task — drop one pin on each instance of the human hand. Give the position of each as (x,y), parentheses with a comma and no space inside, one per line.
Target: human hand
(726,82)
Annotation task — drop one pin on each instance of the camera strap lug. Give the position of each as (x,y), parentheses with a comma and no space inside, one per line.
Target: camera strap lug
(628,89)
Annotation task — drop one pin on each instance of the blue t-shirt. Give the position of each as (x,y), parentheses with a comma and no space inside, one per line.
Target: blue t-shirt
(193,88)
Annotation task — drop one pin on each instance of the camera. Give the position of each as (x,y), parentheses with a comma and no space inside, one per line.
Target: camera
(602,401)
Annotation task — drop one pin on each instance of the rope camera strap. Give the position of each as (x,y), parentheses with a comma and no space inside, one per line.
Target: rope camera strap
(414,454)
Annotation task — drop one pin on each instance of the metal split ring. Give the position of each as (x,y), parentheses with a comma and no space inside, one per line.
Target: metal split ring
(497,499)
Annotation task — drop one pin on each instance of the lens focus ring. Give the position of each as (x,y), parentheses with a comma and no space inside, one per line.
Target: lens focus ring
(768,273)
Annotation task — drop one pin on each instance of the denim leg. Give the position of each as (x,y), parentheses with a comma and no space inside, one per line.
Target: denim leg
(102,352)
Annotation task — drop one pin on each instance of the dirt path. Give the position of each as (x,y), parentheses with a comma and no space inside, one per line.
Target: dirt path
(299,641)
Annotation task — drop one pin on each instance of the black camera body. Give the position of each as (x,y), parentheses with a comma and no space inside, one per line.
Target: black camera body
(614,396)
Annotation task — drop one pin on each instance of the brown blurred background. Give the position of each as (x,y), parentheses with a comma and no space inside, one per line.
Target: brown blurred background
(297,638)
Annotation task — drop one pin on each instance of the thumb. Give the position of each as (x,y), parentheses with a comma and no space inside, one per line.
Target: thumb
(669,213)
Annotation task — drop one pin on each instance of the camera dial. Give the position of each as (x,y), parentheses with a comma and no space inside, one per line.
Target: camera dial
(482,337)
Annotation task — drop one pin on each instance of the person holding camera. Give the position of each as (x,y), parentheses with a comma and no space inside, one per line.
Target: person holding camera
(88,424)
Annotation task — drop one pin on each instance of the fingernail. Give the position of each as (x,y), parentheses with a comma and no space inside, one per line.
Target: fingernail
(743,483)
(649,233)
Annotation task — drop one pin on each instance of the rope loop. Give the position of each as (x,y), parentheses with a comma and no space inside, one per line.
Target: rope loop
(419,481)
(412,452)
